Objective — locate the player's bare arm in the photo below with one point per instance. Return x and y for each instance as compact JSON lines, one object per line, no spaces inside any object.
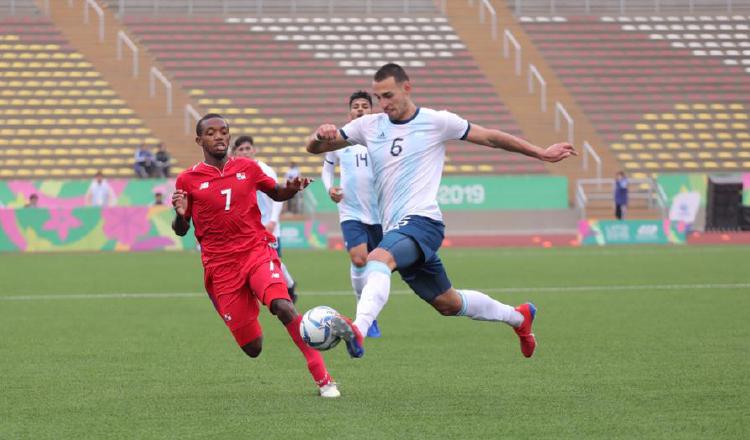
{"x":326,"y":138}
{"x":180,"y":224}
{"x":499,"y":139}
{"x":293,"y":186}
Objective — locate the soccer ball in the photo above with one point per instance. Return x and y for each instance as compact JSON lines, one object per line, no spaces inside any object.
{"x":315,"y":328}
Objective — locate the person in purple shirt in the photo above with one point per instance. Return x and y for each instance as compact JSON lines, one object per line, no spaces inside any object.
{"x":621,"y":195}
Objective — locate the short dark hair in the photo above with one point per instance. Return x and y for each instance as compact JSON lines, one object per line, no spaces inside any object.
{"x":199,"y":125}
{"x":242,"y":139}
{"x":391,"y":70}
{"x":360,"y":94}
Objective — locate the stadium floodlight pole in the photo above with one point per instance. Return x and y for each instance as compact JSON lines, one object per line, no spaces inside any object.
{"x":509,"y":39}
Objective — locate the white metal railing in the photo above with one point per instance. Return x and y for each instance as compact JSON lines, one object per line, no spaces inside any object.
{"x":485,"y":4}
{"x":568,"y":7}
{"x":95,"y":6}
{"x":588,"y":150}
{"x":271,"y":7}
{"x":123,"y":38}
{"x":155,"y":74}
{"x":508,"y":40}
{"x":534,"y":74}
{"x":560,"y":111}
{"x":646,"y":191}
{"x":190,"y":112}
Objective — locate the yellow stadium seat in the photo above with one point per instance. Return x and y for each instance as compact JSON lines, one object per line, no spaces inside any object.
{"x":741,"y":116}
{"x":23,"y":173}
{"x":744,"y":154}
{"x":671,"y":165}
{"x":46,"y":162}
{"x":485,"y":168}
{"x":710,"y":165}
{"x":625,"y":156}
{"x":650,"y":117}
{"x":74,"y":172}
{"x":724,"y":136}
{"x":7,"y":173}
{"x":711,"y":144}
{"x":704,"y":155}
{"x":742,"y":136}
{"x":664,"y":156}
{"x":738,"y":126}
{"x":699,"y":106}
{"x":57,"y":172}
{"x":684,"y":155}
{"x":667,"y":136}
{"x":729,"y":164}
{"x":691,"y":165}
{"x":669,"y":116}
{"x":618,"y":146}
{"x":719,"y":126}
{"x":629,"y":137}
{"x":723,"y":116}
{"x":687,"y":116}
{"x":705,"y":136}
{"x":651,"y":165}
{"x":303,"y":130}
{"x":729,"y":144}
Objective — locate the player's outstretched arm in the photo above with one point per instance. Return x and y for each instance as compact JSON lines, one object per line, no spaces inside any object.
{"x":181,"y":223}
{"x":499,"y":139}
{"x":326,"y":138}
{"x":293,"y":186}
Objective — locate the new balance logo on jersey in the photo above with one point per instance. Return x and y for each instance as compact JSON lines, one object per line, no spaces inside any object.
{"x":204,"y":185}
{"x":240,"y":176}
{"x":276,"y":275}
{"x":227,"y":317}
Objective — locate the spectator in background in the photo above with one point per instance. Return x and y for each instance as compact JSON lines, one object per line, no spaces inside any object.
{"x":33,"y":201}
{"x":158,"y":199}
{"x":621,"y":195}
{"x":162,"y":162}
{"x":293,"y":205}
{"x":144,"y":162}
{"x":99,"y":192}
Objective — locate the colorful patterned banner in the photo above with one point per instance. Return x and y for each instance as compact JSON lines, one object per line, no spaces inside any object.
{"x":131,"y":228}
{"x":603,"y":232}
{"x":72,"y":193}
{"x":746,"y":189}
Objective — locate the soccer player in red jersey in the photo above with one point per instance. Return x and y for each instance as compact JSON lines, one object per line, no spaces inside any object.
{"x":240,"y":268}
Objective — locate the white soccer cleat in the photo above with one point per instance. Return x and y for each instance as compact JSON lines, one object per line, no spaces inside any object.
{"x":330,"y":390}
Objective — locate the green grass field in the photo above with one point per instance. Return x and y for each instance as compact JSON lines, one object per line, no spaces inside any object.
{"x":636,"y":342}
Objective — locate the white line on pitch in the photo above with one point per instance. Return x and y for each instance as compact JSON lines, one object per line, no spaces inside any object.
{"x":85,"y":296}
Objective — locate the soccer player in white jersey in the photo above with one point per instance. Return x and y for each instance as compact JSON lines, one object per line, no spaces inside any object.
{"x":270,"y":210}
{"x":407,"y":148}
{"x":357,"y":203}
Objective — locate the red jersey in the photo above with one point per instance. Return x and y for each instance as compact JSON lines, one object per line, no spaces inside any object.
{"x":224,"y":207}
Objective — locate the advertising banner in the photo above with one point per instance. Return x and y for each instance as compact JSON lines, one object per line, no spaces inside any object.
{"x":118,"y":228}
{"x":485,"y":193}
{"x":604,"y":232}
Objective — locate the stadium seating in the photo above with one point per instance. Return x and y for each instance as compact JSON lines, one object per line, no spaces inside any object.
{"x":58,"y":117}
{"x":667,"y":93}
{"x":277,"y":78}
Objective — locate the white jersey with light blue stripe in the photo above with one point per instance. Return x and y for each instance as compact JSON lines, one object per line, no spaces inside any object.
{"x":407,"y":159}
{"x":270,"y":209}
{"x":360,"y":201}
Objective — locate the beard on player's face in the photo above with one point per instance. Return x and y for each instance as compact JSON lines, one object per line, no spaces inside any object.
{"x":219,"y":155}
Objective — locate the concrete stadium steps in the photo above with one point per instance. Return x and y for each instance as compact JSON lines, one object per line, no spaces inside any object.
{"x":58,"y":117}
{"x":302,"y":69}
{"x":660,"y":107}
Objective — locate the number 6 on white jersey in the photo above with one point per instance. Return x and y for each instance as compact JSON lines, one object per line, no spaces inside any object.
{"x":228,"y":193}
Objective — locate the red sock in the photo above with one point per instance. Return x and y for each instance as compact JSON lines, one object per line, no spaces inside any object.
{"x":314,"y":360}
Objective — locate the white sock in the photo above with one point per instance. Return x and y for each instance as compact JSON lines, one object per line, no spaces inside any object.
{"x":358,"y":280}
{"x":374,"y":294}
{"x":477,"y":305}
{"x":287,"y":276}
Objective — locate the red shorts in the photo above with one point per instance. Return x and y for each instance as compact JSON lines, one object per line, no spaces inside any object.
{"x":261,"y":279}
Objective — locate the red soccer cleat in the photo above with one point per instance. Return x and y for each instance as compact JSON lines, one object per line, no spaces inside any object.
{"x":528,"y":340}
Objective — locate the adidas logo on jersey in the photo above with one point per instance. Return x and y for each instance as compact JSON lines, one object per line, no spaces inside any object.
{"x":381,"y":135}
{"x":204,"y":185}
